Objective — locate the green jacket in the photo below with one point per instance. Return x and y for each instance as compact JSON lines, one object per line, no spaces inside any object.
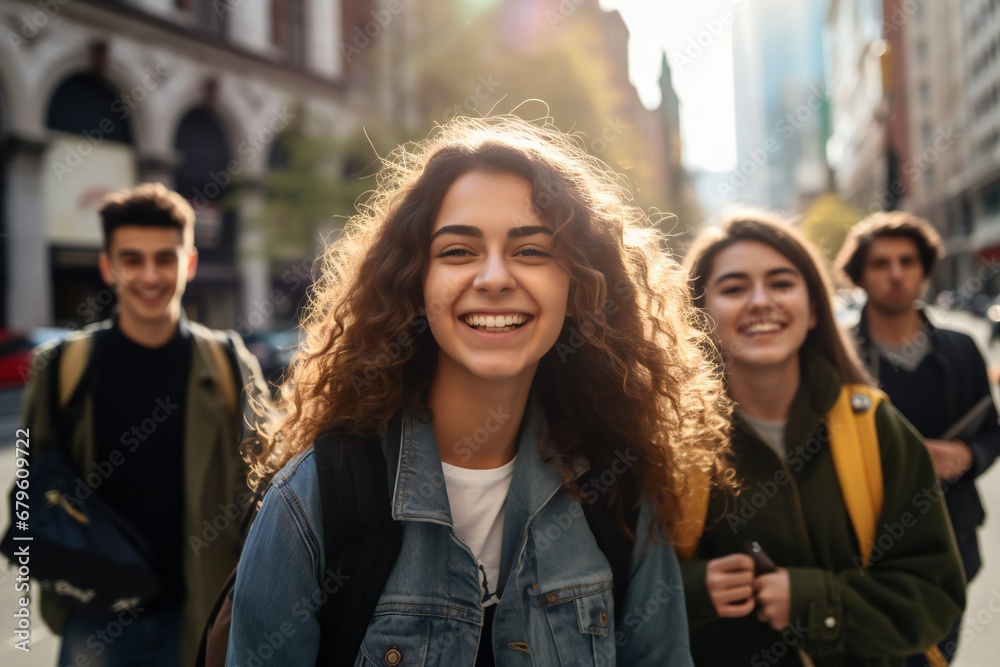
{"x":841,"y":614}
{"x":217,"y":497}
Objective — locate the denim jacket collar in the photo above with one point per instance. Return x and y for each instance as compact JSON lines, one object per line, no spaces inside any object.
{"x":419,"y":489}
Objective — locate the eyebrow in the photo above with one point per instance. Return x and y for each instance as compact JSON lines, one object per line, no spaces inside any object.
{"x":512,"y":233}
{"x":128,"y":252}
{"x":769,"y":274}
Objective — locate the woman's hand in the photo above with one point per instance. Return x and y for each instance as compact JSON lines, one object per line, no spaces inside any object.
{"x":773,"y":593}
{"x":730,"y":585}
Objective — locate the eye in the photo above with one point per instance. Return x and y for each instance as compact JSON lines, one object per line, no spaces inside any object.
{"x":731,"y":289}
{"x":454,"y":251}
{"x":533,"y":252}
{"x":783,"y":284}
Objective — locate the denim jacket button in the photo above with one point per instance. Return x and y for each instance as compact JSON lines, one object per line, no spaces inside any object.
{"x":393,"y":657}
{"x":604,"y":619}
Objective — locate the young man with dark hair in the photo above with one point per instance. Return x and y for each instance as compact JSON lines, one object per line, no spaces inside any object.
{"x":935,"y":377}
{"x":164,"y":414}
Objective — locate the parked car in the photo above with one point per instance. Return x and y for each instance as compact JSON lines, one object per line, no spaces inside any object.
{"x":16,"y":346}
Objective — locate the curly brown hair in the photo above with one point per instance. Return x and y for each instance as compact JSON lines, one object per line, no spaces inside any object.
{"x":889,"y":224}
{"x":628,"y":369}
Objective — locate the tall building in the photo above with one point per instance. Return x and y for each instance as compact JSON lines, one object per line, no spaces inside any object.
{"x":97,"y":95}
{"x":934,"y":44}
{"x":973,"y":233}
{"x":917,"y":122}
{"x":858,"y":78}
{"x":781,"y":106}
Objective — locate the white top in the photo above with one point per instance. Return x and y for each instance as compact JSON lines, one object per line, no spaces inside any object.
{"x":477,"y":499}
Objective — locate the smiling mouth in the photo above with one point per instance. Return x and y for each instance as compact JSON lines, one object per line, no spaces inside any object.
{"x":150,"y":296}
{"x":761,"y":328}
{"x":496,"y":323}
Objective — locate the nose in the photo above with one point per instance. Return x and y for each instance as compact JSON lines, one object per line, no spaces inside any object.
{"x":494,"y":275}
{"x":759,"y":295}
{"x":148,"y":272}
{"x":895,"y":269}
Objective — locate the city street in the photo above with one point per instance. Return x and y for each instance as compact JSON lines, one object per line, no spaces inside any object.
{"x":980,"y":637}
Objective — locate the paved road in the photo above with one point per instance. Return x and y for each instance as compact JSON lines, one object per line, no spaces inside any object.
{"x":980,"y":639}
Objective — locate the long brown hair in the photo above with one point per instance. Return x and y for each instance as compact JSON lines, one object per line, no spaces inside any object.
{"x":628,"y":372}
{"x":827,"y":338}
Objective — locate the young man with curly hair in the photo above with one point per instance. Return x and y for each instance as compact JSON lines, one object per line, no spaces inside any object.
{"x":934,"y":376}
{"x":162,"y":421}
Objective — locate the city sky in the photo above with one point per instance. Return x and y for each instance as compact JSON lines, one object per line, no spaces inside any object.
{"x":697,"y":38}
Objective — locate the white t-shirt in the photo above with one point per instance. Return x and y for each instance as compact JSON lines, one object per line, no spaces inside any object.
{"x":477,"y":499}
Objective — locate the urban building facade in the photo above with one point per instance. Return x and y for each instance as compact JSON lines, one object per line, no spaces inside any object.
{"x":781,"y":104}
{"x":916,"y":116}
{"x":97,"y":95}
{"x":973,"y":236}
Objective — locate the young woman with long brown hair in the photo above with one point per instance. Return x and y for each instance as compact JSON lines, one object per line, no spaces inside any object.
{"x":834,"y":599}
{"x":500,"y":302}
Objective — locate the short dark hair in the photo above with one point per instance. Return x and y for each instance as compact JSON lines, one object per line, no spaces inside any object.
{"x":893,"y":224}
{"x":147,"y":205}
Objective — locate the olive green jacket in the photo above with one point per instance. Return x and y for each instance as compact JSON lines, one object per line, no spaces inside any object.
{"x":217,"y":497}
{"x":842,"y":613}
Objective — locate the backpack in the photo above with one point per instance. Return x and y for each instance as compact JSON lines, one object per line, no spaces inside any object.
{"x":361,"y":537}
{"x":851,"y":423}
{"x":86,"y":554}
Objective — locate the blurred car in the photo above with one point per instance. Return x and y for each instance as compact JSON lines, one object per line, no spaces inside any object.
{"x":847,"y":305}
{"x":274,"y":350}
{"x":16,"y":346}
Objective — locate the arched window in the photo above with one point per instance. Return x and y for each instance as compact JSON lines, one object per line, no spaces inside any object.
{"x":86,"y":103}
{"x":205,"y":176}
{"x":88,"y":156}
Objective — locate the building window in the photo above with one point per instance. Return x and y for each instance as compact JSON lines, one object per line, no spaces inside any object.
{"x":928,"y":132}
{"x":922,"y":51}
{"x":288,"y":28}
{"x":991,"y":201}
{"x":925,"y":92}
{"x":210,"y":15}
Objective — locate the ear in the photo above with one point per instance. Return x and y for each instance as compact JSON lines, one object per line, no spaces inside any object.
{"x":192,"y":267}
{"x":812,"y":316}
{"x":104,"y":264}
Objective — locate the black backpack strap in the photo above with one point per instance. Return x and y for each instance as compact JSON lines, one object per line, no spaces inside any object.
{"x":361,"y":539}
{"x":617,"y":548}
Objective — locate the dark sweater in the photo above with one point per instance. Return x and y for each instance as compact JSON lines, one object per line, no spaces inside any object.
{"x":958,"y":382}
{"x":139,"y":423}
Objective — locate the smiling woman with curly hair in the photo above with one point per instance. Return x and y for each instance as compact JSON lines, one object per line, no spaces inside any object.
{"x":506,"y":323}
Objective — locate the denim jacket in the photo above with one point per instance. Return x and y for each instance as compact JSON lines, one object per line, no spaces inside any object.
{"x":556,"y":604}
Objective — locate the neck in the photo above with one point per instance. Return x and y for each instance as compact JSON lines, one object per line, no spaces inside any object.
{"x":765,"y":392}
{"x":894,"y":327}
{"x":476,"y":421}
{"x":149,"y":334}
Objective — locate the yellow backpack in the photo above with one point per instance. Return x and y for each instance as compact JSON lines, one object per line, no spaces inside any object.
{"x":851,"y":423}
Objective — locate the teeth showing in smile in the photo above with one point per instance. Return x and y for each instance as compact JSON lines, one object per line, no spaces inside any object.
{"x":150,"y":295}
{"x":762,"y":328}
{"x":496,"y":323}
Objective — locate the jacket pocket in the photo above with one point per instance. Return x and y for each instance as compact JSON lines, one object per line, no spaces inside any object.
{"x":581,"y":621}
{"x":394,"y":639}
{"x":420,"y":635}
